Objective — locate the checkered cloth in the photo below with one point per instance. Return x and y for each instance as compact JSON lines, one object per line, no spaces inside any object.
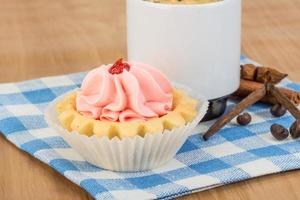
{"x":236,"y":153}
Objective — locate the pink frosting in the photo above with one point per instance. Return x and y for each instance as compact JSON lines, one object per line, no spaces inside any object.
{"x":141,"y":93}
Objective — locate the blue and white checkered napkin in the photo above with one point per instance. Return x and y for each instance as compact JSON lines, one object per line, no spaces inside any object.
{"x":235,"y":154}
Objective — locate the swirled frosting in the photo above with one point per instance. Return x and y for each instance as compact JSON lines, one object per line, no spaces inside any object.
{"x":136,"y":92}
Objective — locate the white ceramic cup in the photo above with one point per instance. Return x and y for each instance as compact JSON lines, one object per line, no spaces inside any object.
{"x":197,"y":45}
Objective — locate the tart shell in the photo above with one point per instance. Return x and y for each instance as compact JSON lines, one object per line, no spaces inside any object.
{"x":184,"y":111}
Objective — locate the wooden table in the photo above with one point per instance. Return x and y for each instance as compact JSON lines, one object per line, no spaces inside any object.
{"x":42,"y":38}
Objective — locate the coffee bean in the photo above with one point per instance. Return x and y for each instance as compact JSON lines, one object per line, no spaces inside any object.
{"x":279,"y":132}
{"x":278,"y":110}
{"x":244,"y":119}
{"x":295,"y":129}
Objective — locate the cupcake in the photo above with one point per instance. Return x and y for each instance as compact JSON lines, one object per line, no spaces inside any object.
{"x":126,"y":117}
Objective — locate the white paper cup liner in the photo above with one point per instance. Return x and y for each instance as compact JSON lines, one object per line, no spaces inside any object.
{"x":133,"y":153}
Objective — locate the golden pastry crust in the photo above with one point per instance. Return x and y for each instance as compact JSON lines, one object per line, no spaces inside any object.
{"x":184,"y":111}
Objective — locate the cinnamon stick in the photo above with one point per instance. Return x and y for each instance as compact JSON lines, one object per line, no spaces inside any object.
{"x":261,"y":74}
{"x":283,"y":100}
{"x":267,"y":74}
{"x":247,"y":87}
{"x":248,"y":72}
{"x":245,"y":103}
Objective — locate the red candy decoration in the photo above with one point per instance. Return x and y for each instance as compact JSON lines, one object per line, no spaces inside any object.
{"x":118,"y":67}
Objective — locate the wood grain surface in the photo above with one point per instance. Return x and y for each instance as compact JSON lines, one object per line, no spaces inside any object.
{"x":42,"y":38}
